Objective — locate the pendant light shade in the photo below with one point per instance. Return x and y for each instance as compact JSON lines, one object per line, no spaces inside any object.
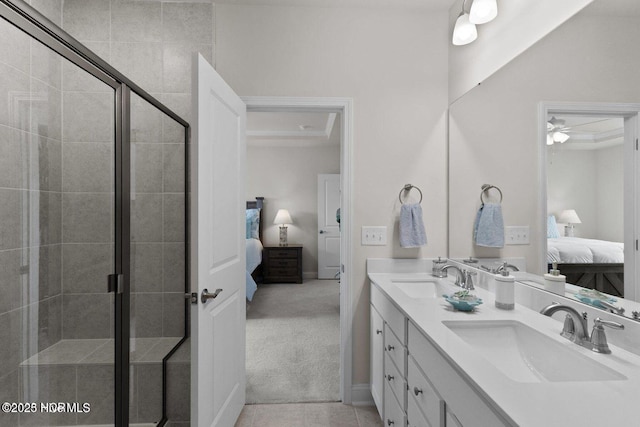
{"x":464,"y":31}
{"x":483,"y":11}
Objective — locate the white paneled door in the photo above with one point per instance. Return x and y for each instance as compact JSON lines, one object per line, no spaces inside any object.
{"x":328,"y":227}
{"x":218,"y":250}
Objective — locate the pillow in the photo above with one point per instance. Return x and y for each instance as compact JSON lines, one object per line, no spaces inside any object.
{"x":552,"y":228}
{"x":253,"y":223}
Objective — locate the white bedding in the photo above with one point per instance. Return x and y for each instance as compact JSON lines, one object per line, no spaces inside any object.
{"x":254,"y":258}
{"x":575,"y":250}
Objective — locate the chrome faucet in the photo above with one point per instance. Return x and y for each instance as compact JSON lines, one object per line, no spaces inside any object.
{"x":506,"y":266}
{"x":579,"y":337}
{"x":598,"y":340}
{"x":463,"y":277}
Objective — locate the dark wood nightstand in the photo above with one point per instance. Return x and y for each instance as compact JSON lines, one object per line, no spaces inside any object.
{"x":282,"y":264}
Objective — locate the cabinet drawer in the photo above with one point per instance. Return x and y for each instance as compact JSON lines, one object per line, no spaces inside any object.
{"x":430,"y":404}
{"x":415,"y":418}
{"x":394,"y":416}
{"x":390,"y":313}
{"x":283,"y":253}
{"x":395,"y":349}
{"x":283,"y":263}
{"x":279,"y":271}
{"x":395,"y":380}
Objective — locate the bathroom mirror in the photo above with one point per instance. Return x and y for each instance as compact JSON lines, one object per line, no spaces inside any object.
{"x":497,"y":130}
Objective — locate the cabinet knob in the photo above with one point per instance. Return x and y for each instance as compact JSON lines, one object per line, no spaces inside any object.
{"x":390,"y":377}
{"x":389,"y":422}
{"x":417,"y":390}
{"x":378,"y":331}
{"x":390,"y":347}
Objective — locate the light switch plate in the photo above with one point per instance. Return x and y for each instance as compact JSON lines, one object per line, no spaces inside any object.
{"x":374,"y":235}
{"x":517,"y":235}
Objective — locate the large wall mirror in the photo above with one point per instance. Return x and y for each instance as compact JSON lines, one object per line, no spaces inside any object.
{"x":580,"y":80}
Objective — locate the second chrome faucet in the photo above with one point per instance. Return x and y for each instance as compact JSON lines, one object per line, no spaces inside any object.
{"x":575,"y":328}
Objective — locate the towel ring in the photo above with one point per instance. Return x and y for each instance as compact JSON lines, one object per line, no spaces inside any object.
{"x":408,"y":187}
{"x":486,"y":188}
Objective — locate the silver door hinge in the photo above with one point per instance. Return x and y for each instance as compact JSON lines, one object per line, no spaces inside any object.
{"x":192,"y":297}
{"x":636,"y":144}
{"x":114,"y":283}
{"x":636,"y":244}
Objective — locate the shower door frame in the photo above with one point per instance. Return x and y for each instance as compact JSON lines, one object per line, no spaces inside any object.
{"x":37,"y":26}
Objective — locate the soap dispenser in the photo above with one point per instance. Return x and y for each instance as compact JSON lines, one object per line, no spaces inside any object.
{"x":505,"y":289}
{"x":554,"y":281}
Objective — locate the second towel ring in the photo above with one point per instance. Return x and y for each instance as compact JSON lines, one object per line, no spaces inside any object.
{"x":486,"y":188}
{"x":408,"y":187}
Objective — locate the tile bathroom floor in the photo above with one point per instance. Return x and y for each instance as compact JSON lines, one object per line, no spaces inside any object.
{"x":308,"y":415}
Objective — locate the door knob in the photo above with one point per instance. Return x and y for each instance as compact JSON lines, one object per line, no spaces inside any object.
{"x":206,"y":295}
{"x":321,"y":231}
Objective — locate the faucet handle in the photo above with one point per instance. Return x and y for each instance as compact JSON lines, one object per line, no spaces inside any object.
{"x":612,"y":308}
{"x":569,"y":328}
{"x":467,"y":282}
{"x":598,"y":338}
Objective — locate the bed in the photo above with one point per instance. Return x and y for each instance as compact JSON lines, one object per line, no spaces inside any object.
{"x":590,"y":263}
{"x":254,"y":246}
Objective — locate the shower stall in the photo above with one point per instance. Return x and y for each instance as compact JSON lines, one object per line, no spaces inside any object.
{"x":93,"y":234}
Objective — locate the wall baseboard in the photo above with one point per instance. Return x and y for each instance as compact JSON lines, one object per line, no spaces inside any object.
{"x":361,"y":395}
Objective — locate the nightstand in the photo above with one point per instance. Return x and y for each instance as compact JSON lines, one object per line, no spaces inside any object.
{"x":282,"y":264}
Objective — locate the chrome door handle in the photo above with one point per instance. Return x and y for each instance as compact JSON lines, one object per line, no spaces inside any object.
{"x":321,"y":231}
{"x":206,"y":296}
{"x":417,"y":390}
{"x":378,"y":331}
{"x":390,"y":347}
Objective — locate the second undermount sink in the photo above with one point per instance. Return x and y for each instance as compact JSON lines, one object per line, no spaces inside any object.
{"x":526,"y":355}
{"x":423,"y":288}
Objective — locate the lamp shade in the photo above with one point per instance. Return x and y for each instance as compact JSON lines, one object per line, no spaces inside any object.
{"x":569,"y":217}
{"x":483,"y":11}
{"x":464,"y":32}
{"x":283,"y":217}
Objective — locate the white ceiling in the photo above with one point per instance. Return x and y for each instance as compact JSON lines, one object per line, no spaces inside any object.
{"x":292,"y":129}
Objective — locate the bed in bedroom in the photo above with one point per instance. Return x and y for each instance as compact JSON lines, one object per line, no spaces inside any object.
{"x":590,"y":263}
{"x":254,"y":225}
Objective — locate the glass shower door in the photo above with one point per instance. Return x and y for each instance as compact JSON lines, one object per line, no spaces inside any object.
{"x":57,"y":238}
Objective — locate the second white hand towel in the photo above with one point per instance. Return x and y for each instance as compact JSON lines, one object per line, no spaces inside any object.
{"x":412,"y":233}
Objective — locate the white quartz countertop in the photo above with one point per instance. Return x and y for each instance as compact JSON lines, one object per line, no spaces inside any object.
{"x":574,"y":403}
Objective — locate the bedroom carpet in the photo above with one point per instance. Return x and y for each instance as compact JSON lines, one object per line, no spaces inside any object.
{"x":293,"y":343}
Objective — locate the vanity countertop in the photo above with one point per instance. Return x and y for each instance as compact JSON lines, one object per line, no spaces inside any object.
{"x":576,"y":403}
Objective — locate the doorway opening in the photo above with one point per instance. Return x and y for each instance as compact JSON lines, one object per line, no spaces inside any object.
{"x":593,"y":196}
{"x":341,"y":111}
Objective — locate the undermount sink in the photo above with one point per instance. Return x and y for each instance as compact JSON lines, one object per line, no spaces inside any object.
{"x":423,"y":288}
{"x":526,"y":355}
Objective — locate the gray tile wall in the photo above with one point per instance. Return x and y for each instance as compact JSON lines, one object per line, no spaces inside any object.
{"x":30,"y":205}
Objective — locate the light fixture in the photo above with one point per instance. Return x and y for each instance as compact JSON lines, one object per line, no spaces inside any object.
{"x":464,"y":32}
{"x":283,"y":218}
{"x":560,"y":137}
{"x":483,"y":11}
{"x":569,"y":217}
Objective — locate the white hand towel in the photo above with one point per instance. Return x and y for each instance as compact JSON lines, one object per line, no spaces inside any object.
{"x":488,"y":230}
{"x":412,"y":233}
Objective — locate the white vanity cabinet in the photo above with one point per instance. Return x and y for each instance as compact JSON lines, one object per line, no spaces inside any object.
{"x":388,"y":359}
{"x":376,"y":342}
{"x":462,"y":405}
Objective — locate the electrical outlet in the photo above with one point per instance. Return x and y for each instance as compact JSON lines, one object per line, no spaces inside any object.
{"x":374,"y":236}
{"x":517,"y":235}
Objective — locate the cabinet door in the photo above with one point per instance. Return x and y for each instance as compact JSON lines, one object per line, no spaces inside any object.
{"x":377,"y":355}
